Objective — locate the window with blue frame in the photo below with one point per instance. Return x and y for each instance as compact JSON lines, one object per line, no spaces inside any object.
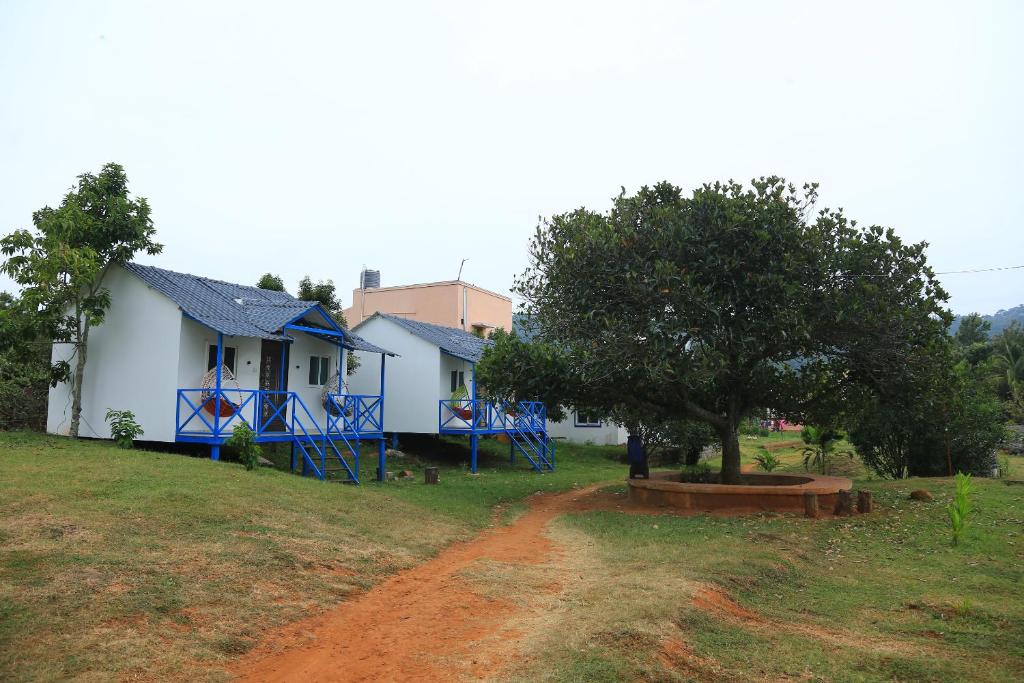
{"x":582,"y":418}
{"x":319,"y":370}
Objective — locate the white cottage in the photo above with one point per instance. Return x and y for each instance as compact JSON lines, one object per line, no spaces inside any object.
{"x":431,"y":389}
{"x":194,"y":357}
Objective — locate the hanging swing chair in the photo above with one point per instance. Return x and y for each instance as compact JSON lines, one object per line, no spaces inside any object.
{"x":332,"y":387}
{"x":209,"y":387}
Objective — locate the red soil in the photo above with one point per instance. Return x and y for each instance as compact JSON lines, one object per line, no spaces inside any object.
{"x":424,"y":624}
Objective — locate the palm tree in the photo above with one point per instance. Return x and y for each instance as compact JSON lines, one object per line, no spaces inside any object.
{"x":821,"y":443}
{"x":1010,"y":351}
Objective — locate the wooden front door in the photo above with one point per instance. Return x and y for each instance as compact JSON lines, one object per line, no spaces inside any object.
{"x":274,"y":377}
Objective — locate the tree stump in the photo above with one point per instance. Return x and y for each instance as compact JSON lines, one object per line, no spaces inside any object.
{"x":431,"y":475}
{"x":844,"y":503}
{"x":810,"y":504}
{"x":864,"y":501}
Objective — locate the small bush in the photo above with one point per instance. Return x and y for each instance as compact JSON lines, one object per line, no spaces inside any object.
{"x":123,"y":427}
{"x":243,"y":440}
{"x":960,"y":507}
{"x":697,"y":474}
{"x":767,"y":460}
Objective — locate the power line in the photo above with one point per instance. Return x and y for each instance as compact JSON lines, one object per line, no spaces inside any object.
{"x":979,"y":270}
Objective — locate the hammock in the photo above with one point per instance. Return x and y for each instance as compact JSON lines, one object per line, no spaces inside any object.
{"x":209,"y":386}
{"x":332,"y":387}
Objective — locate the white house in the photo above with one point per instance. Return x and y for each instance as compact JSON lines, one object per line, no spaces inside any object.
{"x":157,"y":354}
{"x":431,"y":388}
{"x":581,"y":427}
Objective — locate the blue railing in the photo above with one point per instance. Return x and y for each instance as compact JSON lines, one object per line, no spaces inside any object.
{"x":208,"y":414}
{"x":356,"y":413}
{"x":484,"y":416}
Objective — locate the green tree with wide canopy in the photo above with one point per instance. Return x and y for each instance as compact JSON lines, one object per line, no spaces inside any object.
{"x":708,"y":306}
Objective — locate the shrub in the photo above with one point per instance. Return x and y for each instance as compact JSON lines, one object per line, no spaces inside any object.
{"x":123,"y":427}
{"x":960,"y":507}
{"x":697,"y":474}
{"x":767,"y":460}
{"x":243,"y":440}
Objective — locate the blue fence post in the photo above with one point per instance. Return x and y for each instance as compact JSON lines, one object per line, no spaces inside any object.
{"x":381,"y":460}
{"x":215,"y":449}
{"x":473,"y":447}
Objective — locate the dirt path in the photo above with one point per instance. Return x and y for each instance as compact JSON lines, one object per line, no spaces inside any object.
{"x":425,"y":624}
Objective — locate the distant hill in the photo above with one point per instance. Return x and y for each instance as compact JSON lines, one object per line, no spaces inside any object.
{"x":1000,"y":320}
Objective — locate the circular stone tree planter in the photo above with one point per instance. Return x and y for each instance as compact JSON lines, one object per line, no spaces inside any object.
{"x":772,"y":492}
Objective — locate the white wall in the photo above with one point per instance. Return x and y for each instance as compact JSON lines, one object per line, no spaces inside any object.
{"x":608,"y":434}
{"x":449,"y":363}
{"x":411,"y":380}
{"x":131,"y":364}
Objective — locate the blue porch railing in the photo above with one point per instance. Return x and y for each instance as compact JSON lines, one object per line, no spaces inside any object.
{"x":524,"y":423}
{"x":357,"y":413}
{"x":209,"y":416}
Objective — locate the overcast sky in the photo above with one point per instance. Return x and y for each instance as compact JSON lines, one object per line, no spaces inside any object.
{"x":315,"y":138}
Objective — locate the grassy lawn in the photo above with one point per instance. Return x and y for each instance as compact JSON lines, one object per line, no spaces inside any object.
{"x":881,"y":597}
{"x":138,"y":564}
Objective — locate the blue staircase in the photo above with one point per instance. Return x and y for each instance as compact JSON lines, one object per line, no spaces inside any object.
{"x":325,"y":454}
{"x":529,"y":437}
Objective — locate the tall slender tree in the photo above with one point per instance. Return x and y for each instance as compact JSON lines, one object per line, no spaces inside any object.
{"x":61,"y":264}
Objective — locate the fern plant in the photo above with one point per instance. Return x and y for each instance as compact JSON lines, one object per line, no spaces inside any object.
{"x":821,"y":443}
{"x":123,"y":427}
{"x":960,"y":507}
{"x":767,"y":460}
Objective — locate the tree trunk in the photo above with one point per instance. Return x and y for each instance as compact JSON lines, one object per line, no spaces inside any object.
{"x":730,"y":455}
{"x":76,"y":382}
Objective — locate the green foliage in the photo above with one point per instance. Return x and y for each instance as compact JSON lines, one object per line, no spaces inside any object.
{"x":123,"y":427}
{"x":324,"y":293}
{"x":767,"y":460}
{"x":61,"y":265}
{"x":1009,"y":352}
{"x":25,"y":370}
{"x":821,"y":443}
{"x":698,"y":306}
{"x":699,"y":473}
{"x":243,"y":440}
{"x":752,"y":427}
{"x":944,"y":407}
{"x":271,"y":282}
{"x":973,"y":330}
{"x":960,"y":507}
{"x":515,"y":370}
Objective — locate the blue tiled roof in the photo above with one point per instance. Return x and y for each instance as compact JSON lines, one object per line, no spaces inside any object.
{"x":452,"y":341}
{"x":236,"y":310}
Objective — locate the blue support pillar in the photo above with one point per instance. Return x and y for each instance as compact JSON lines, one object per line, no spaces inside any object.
{"x":215,"y":449}
{"x":511,"y":451}
{"x":381,"y":447}
{"x":293,"y":456}
{"x":474,"y":439}
{"x":394,"y":440}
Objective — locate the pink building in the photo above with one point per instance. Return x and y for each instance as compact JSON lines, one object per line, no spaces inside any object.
{"x":453,"y":303}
